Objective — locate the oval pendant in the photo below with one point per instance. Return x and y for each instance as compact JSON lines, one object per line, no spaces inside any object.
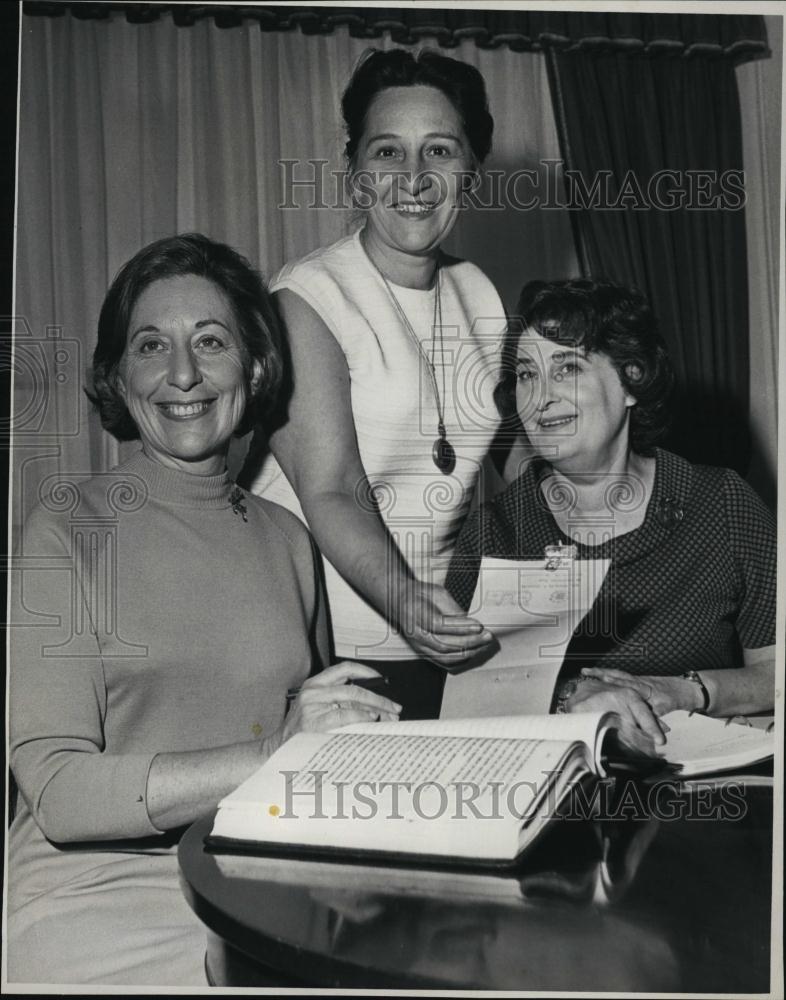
{"x":443,"y":455}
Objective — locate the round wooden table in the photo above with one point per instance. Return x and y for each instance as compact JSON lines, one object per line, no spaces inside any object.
{"x":670,"y":891}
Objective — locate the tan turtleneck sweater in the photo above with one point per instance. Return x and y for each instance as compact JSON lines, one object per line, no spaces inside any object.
{"x":150,"y":616}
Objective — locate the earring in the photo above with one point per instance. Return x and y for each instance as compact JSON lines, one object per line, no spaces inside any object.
{"x":256,"y":379}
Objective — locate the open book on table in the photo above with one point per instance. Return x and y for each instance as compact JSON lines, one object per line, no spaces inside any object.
{"x":460,"y":791}
{"x":602,"y":861}
{"x":533,"y":612}
{"x":471,"y":791}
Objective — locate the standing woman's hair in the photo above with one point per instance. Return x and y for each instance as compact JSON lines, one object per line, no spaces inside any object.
{"x":461,"y":83}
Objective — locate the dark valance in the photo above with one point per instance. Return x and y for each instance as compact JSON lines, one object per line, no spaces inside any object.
{"x":739,"y":37}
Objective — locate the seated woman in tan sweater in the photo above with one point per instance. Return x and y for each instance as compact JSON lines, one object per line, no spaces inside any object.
{"x":163,"y":616}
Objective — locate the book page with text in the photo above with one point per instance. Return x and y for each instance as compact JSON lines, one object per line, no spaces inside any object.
{"x":702,"y":744}
{"x":588,"y":727}
{"x":442,"y":795}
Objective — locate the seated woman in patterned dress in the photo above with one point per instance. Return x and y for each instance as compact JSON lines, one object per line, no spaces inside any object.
{"x":685,"y":618}
{"x":161,"y":615}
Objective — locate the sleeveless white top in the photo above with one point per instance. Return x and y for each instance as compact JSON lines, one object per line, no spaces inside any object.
{"x":395,"y":413}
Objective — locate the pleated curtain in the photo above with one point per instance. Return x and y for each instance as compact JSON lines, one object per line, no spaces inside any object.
{"x":631,"y":115}
{"x":141,"y":120}
{"x":133,"y":131}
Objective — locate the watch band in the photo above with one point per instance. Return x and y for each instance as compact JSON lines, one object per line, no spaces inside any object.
{"x":692,"y":675}
{"x":564,"y":692}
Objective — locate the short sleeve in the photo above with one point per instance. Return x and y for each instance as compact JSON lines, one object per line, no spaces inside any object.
{"x":752,"y":538}
{"x":316,"y":288}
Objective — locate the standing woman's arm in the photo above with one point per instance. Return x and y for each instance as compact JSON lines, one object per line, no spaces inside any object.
{"x":318,"y":451}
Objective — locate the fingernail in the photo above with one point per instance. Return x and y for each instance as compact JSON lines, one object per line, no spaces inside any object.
{"x":485,"y":634}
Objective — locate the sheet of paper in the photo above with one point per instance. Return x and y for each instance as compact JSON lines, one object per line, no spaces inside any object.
{"x":514,"y":593}
{"x":702,"y":745}
{"x":493,"y":688}
{"x":533,"y":612}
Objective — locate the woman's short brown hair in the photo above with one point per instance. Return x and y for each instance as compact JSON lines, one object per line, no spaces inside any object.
{"x":244,"y":290}
{"x":600,"y":317}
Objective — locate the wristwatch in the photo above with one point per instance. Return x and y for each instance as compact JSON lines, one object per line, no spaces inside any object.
{"x":692,"y":675}
{"x":564,"y":692}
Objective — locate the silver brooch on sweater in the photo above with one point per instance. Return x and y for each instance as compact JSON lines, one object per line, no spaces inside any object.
{"x":237,"y":499}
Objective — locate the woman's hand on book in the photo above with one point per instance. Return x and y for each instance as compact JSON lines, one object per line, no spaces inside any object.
{"x":437,"y":628}
{"x":330,"y":699}
{"x":640,"y":729}
{"x":662,"y":694}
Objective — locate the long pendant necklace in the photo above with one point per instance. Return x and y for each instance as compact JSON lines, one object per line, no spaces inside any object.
{"x":442,"y":452}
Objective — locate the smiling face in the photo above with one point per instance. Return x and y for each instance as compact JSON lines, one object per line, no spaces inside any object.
{"x":408,"y":170}
{"x":572,"y":406}
{"x":182,"y":374}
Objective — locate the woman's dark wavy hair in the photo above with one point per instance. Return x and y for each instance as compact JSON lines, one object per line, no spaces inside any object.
{"x":461,"y":83}
{"x":244,"y":290}
{"x":601,"y":318}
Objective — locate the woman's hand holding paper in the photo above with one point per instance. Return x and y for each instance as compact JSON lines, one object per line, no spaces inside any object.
{"x":436,"y":626}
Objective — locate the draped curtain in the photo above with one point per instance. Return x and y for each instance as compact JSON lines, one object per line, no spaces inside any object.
{"x":759,"y":85}
{"x":633,"y":118}
{"x":740,"y":36}
{"x":133,"y":131}
{"x":141,"y":120}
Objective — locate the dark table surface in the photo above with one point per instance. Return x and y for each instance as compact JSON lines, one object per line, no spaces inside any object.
{"x":668,"y":889}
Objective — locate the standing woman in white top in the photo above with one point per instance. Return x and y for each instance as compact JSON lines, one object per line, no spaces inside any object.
{"x":394,"y":347}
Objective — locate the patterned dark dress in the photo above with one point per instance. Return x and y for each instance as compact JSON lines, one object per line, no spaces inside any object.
{"x":689,"y":588}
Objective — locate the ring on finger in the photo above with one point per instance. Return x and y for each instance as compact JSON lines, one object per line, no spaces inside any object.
{"x":336,"y":706}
